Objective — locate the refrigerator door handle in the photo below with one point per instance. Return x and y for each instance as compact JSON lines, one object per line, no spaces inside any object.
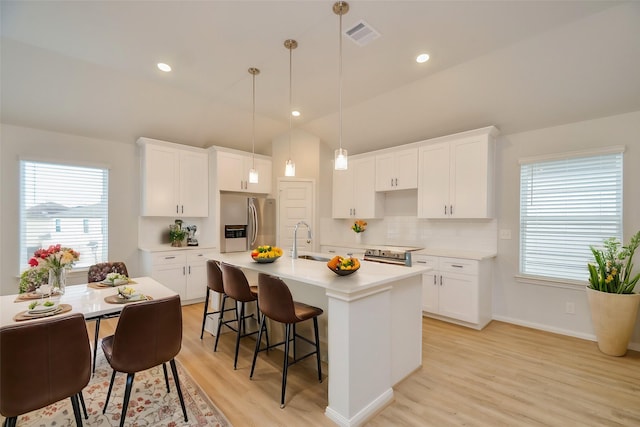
{"x":253,"y":219}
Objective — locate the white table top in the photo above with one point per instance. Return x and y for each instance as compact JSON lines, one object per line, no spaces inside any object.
{"x":83,"y":299}
{"x":370,"y":274}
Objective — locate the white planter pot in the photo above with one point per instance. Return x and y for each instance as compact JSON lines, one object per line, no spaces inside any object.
{"x":614,"y":319}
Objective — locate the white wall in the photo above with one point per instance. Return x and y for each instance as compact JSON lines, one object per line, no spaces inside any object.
{"x":544,"y":306}
{"x":123,"y":162}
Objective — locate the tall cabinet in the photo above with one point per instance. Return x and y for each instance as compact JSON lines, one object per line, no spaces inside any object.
{"x":456,"y":176}
{"x":174,"y":179}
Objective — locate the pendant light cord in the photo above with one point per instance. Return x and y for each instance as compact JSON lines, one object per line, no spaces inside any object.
{"x":290,"y":97}
{"x":340,"y":81}
{"x":253,"y":125}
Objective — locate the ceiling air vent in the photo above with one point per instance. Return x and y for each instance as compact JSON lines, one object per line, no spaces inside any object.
{"x":362,"y":33}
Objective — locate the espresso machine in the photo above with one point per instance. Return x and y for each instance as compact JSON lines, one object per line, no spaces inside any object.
{"x":191,"y":236}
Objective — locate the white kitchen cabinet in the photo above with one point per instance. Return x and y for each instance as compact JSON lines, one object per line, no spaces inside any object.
{"x":174,"y":180}
{"x":183,"y":271}
{"x":354,"y":194}
{"x":457,"y":290}
{"x":233,"y":172}
{"x":456,"y":177}
{"x":397,"y":170}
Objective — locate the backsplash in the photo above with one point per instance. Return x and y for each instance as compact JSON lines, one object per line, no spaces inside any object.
{"x":469,"y":235}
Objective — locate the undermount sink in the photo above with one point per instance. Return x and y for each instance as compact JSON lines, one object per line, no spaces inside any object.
{"x":314,"y":258}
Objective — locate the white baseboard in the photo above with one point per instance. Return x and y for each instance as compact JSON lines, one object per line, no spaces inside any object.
{"x":589,"y":337}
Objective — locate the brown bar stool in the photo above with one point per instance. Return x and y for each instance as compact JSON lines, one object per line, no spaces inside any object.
{"x":214,"y":284}
{"x":276,"y":303}
{"x":237,"y":287}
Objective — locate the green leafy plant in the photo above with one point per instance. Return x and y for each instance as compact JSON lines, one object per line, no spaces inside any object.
{"x":612,"y":271}
{"x":177,"y":234}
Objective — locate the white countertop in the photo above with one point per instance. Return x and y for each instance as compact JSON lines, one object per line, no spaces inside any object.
{"x":370,"y":274}
{"x":450,"y":253}
{"x":169,"y":248}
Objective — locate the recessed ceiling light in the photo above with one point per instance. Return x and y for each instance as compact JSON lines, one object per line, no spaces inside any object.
{"x":423,"y":57}
{"x":164,"y":67}
{"x":295,"y":113}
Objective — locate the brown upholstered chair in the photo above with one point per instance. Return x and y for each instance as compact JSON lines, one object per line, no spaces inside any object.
{"x":237,"y":287}
{"x":214,"y":284}
{"x":276,"y":303}
{"x":42,"y":362}
{"x":148,"y":334}
{"x":97,"y":273}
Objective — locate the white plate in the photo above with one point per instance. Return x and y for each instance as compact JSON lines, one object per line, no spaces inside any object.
{"x":116,"y":282}
{"x":43,"y":309}
{"x":133,"y":297}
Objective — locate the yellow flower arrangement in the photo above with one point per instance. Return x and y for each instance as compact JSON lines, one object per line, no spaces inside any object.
{"x":359,"y":226}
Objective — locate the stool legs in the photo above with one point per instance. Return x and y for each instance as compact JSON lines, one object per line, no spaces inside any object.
{"x":204,"y":315}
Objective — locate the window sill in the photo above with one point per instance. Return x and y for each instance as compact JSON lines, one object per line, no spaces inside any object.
{"x":552,"y":282}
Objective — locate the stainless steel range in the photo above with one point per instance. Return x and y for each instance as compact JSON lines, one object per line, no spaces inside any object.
{"x":390,"y":255}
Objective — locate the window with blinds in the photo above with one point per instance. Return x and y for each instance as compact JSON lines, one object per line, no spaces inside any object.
{"x":565,"y":206}
{"x":64,"y":204}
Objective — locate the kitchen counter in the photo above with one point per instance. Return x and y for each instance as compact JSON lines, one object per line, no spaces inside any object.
{"x":373,"y":324}
{"x":168,"y":248}
{"x":450,"y":253}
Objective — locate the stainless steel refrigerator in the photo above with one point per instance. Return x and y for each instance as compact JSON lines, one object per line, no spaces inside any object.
{"x":246,"y":222}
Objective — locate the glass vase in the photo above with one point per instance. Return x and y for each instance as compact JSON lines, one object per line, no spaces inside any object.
{"x":358,"y":238}
{"x":58,"y":280}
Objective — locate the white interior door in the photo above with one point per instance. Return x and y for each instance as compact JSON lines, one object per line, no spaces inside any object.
{"x":295,"y":204}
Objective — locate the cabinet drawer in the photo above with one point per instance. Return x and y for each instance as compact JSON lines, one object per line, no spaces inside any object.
{"x":458,"y":265}
{"x":195,"y":257}
{"x":425,"y":260}
{"x":169,"y":258}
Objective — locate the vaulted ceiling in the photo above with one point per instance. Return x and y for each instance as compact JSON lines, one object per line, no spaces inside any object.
{"x":89,"y":68}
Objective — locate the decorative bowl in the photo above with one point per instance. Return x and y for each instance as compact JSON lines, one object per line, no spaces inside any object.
{"x":336,"y":262}
{"x":265,"y":260}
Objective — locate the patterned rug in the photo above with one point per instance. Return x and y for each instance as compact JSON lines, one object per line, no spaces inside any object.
{"x":150,"y":404}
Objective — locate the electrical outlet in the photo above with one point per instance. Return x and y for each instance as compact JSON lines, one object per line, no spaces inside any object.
{"x":570,"y":308}
{"x":505,"y":234}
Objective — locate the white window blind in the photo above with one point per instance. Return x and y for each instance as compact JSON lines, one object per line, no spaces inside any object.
{"x":63,"y":204}
{"x":566,"y":206}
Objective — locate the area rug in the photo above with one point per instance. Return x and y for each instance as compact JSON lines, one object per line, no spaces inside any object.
{"x":150,"y":404}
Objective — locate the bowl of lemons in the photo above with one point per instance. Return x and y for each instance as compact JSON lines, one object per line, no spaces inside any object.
{"x":343,"y":266}
{"x":265,"y":254}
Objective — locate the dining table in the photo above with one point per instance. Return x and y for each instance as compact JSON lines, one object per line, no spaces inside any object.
{"x":92,"y":301}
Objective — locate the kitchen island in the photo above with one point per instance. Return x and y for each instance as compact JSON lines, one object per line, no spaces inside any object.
{"x":373,"y":327}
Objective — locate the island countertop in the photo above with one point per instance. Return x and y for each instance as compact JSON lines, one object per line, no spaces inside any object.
{"x":370,"y":274}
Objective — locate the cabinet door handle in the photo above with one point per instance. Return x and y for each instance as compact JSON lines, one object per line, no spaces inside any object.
{"x":450,"y":209}
{"x":354,"y":211}
{"x":332,"y":252}
{"x":169,"y":257}
{"x":200,"y":255}
{"x":182,"y":208}
{"x":457,"y":265}
{"x":184,"y":271}
{"x":189,"y":269}
{"x":434,"y":279}
{"x":445,"y":209}
{"x":177,"y":209}
{"x":396,"y":182}
{"x":421,"y":262}
{"x":392,"y":182}
{"x":440,"y":280}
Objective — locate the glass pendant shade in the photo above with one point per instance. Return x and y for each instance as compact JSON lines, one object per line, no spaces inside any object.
{"x":290,"y":168}
{"x":253,"y":176}
{"x":340,"y":163}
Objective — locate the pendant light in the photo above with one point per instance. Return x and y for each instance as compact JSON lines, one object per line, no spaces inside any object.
{"x":340,"y":161}
{"x":253,"y":173}
{"x":290,"y":167}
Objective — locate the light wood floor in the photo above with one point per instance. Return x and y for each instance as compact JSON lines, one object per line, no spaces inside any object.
{"x":505,"y":375}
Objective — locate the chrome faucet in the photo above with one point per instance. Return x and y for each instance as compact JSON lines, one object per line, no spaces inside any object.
{"x":294,"y":251}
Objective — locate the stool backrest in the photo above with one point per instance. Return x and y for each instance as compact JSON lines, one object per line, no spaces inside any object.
{"x":214,"y":277}
{"x":235,"y":283}
{"x":275,"y":300}
{"x":43,"y":362}
{"x":148,"y":334}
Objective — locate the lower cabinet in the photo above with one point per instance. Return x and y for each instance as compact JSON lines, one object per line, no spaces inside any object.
{"x":183,"y":271}
{"x":456,"y":290}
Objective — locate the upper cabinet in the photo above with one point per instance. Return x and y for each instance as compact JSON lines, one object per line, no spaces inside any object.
{"x":397,"y":170}
{"x":456,"y":176}
{"x":174,"y":179}
{"x":354,"y":194}
{"x":233,"y":172}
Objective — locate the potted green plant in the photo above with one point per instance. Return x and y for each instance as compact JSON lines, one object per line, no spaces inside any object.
{"x":612,"y":300}
{"x":177,"y":235}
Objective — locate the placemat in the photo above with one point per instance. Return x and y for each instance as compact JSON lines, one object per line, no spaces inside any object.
{"x":100,"y":285}
{"x":31,"y":296}
{"x":115,"y":299}
{"x":24,"y":315}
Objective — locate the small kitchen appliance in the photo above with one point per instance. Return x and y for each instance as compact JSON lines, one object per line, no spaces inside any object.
{"x":390,"y":255}
{"x":191,"y":237}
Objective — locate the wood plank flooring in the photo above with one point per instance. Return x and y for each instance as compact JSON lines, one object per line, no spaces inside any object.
{"x":505,"y":375}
